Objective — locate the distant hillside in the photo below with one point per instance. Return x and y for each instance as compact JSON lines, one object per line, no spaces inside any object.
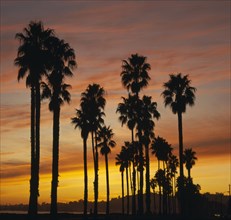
{"x":210,"y":204}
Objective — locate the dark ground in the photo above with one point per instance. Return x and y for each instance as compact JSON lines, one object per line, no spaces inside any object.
{"x":102,"y":217}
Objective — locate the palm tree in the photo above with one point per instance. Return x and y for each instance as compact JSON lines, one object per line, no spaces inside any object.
{"x":120,"y":160}
{"x":32,"y":59}
{"x":92,"y":104}
{"x":159,"y":176}
{"x":148,"y":113}
{"x":189,"y":158}
{"x":162,"y":150}
{"x":135,"y":73}
{"x":178,"y":94}
{"x":128,"y":117}
{"x":134,"y":77}
{"x":105,"y":136}
{"x":63,"y":62}
{"x":172,"y":165}
{"x":81,"y":122}
{"x":126,"y":153}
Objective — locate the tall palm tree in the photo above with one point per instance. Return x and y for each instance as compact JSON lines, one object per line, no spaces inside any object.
{"x":81,"y":122}
{"x":93,"y":104}
{"x":178,"y":94}
{"x":32,"y":60}
{"x":63,"y":62}
{"x":189,"y":158}
{"x":105,"y":135}
{"x":120,"y":160}
{"x":134,"y":77}
{"x":128,"y":117}
{"x":148,"y":114}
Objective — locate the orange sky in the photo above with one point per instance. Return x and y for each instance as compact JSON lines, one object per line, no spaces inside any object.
{"x":175,"y":36}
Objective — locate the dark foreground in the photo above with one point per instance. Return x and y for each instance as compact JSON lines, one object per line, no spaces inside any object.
{"x":102,"y":217}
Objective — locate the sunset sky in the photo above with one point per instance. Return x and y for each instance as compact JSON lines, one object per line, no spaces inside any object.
{"x":191,"y":37}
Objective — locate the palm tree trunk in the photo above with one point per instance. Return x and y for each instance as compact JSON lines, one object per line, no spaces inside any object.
{"x":95,"y":173}
{"x":189,"y":174}
{"x":122,"y":182}
{"x":55,"y":161}
{"x":174,"y":180}
{"x":148,"y":199}
{"x":133,"y":179}
{"x":93,"y":146}
{"x":127,"y":190}
{"x":96,"y":178}
{"x":159,"y":190}
{"x":172,"y":197}
{"x":107,"y":180}
{"x":37,"y":148}
{"x":134,"y":188}
{"x":138,"y":182}
{"x":130,"y":176}
{"x":85,"y":176}
{"x":164,"y":199}
{"x":32,"y":209}
{"x":181,"y":189}
{"x":141,"y":206}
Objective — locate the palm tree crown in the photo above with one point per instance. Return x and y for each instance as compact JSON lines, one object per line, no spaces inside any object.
{"x":189,"y":158}
{"x":126,"y":110}
{"x":93,"y":104}
{"x":104,"y":137}
{"x":63,"y":62}
{"x":178,"y":93}
{"x":81,"y":122}
{"x":32,"y":54}
{"x":161,"y":148}
{"x":135,"y":73}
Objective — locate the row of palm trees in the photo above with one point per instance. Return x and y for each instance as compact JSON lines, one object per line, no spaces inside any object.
{"x":43,"y":56}
{"x":46,"y":61}
{"x":165,"y":177}
{"x":139,"y":114}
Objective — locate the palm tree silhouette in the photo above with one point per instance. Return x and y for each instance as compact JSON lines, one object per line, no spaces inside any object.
{"x":189,"y":158}
{"x":148,"y":113}
{"x":63,"y":62}
{"x":159,"y":176}
{"x":104,"y":136}
{"x":172,"y":165}
{"x":81,"y":122}
{"x":32,"y":60}
{"x":162,"y":150}
{"x":134,"y":73}
{"x":120,"y":160}
{"x":128,"y":117}
{"x":126,"y":158}
{"x":92,"y":104}
{"x":134,"y":77}
{"x":178,"y":94}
